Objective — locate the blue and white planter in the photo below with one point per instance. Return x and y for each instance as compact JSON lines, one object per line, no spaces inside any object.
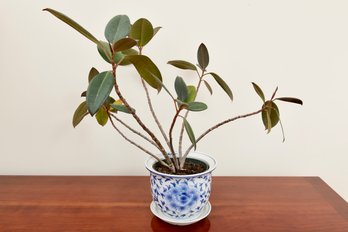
{"x":181,"y":196}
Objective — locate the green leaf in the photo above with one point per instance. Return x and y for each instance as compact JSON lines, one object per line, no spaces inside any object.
{"x":180,"y":88}
{"x":259,"y":91}
{"x":98,"y":91}
{"x":191,"y":94}
{"x":102,"y":48}
{"x":121,"y":108}
{"x":290,"y":99}
{"x":182,"y":64}
{"x":181,"y":103}
{"x":102,"y":116}
{"x":268,"y":121}
{"x":117,"y":28}
{"x":203,"y":56}
{"x":80,"y":113}
{"x":147,"y":70}
{"x":208,"y":87}
{"x":142,"y":31}
{"x":270,"y":115}
{"x":118,"y":56}
{"x":189,"y":132}
{"x":127,"y":53}
{"x":124,"y":44}
{"x":223,"y":85}
{"x":155,"y":30}
{"x":196,"y":106}
{"x":92,"y":73}
{"x":73,"y":24}
{"x":108,"y":101}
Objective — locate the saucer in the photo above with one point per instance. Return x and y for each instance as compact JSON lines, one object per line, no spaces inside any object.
{"x":180,"y":222}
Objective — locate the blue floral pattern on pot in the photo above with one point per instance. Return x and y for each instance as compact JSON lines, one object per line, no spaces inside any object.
{"x":180,"y":197}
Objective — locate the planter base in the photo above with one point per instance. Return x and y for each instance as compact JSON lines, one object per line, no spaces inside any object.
{"x":180,"y":222}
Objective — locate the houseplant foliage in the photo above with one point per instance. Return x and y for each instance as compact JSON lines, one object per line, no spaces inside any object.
{"x":123,"y":46}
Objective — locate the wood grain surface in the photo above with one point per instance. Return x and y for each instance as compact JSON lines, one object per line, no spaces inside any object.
{"x":121,"y":203}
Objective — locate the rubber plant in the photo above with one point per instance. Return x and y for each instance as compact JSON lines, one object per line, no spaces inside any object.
{"x":124,"y":46}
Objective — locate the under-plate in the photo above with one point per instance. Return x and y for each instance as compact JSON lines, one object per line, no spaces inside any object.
{"x":180,"y":222}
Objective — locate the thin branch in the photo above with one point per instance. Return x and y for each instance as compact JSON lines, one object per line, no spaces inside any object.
{"x":215,"y":127}
{"x":138,"y":120}
{"x":181,"y":135}
{"x":133,"y":130}
{"x":153,"y":112}
{"x":200,"y":76}
{"x":171,"y":137}
{"x":151,"y":107}
{"x":135,"y":144}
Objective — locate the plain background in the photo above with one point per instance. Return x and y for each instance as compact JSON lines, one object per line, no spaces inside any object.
{"x":300,"y":46}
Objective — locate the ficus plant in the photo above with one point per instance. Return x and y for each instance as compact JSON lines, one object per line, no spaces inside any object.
{"x":124,"y":46}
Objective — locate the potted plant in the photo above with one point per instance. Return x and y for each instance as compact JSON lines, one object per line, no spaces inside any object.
{"x":180,"y":179}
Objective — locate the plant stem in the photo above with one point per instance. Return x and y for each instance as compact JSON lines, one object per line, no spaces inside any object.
{"x":171,"y":137}
{"x":135,"y":144}
{"x":213,"y":128}
{"x":200,"y":76}
{"x":153,"y":112}
{"x":138,"y":120}
{"x":151,"y":107}
{"x":133,"y":130}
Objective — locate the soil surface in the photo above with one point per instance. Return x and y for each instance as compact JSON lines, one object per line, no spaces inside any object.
{"x":191,"y":166}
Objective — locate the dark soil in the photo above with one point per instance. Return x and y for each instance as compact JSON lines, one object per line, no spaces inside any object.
{"x":191,"y":166}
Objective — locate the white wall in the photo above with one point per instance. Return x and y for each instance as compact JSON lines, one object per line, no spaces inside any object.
{"x":300,"y":46}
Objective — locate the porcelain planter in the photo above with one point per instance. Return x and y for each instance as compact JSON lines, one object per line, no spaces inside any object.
{"x":181,"y":197}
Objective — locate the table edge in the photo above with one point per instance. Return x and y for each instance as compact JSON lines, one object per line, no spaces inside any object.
{"x":330,"y":195}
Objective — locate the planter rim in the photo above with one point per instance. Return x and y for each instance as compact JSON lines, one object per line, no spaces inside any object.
{"x":195,"y":155}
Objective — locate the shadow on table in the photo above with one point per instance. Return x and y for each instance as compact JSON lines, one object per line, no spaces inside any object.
{"x":157,"y":225}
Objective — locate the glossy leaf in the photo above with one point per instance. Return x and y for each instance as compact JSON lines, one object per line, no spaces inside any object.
{"x":73,"y":24}
{"x":102,"y":116}
{"x":155,"y":30}
{"x":270,"y":115}
{"x":290,"y":99}
{"x":191,"y":94}
{"x":268,"y":121}
{"x":80,"y":113}
{"x":92,"y":73}
{"x":124,"y":44}
{"x":182,"y":64}
{"x":259,"y":91}
{"x":104,"y":51}
{"x":127,"y":53}
{"x":119,"y":107}
{"x":147,"y":70}
{"x":196,"y":106}
{"x":180,"y":88}
{"x":208,"y":87}
{"x":223,"y":85}
{"x":108,"y":101}
{"x":117,"y":28}
{"x":118,"y":56}
{"x":98,"y":91}
{"x":189,"y":132}
{"x":181,"y":103}
{"x":142,"y":31}
{"x":203,"y":56}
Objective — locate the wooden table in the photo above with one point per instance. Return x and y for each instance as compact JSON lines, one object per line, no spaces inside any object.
{"x":115,"y":203}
